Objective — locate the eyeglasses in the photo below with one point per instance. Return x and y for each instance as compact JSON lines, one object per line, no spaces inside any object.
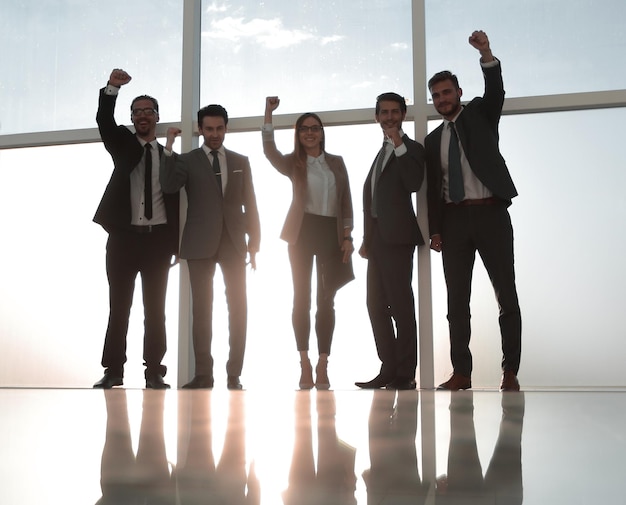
{"x":146,"y":112}
{"x":312,"y":129}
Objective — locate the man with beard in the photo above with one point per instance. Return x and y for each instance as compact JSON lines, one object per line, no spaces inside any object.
{"x":142,"y":224}
{"x":390,"y":236}
{"x":469,"y":191}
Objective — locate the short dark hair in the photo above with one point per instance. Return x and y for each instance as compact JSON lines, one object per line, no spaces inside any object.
{"x":391,"y":97}
{"x":444,"y":75}
{"x":155,"y":104}
{"x":212,"y":110}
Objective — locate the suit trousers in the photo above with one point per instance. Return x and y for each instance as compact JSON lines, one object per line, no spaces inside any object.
{"x":317,"y":239}
{"x":488,"y":230}
{"x":201,"y":274}
{"x":128,"y":254}
{"x":390,"y":299}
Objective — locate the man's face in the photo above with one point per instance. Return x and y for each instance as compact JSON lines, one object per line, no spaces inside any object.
{"x":145,"y":118}
{"x":390,"y":114}
{"x":446,"y":98}
{"x":213,"y":129}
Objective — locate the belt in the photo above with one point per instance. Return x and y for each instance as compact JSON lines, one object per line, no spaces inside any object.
{"x":492,"y":200}
{"x":150,"y":228}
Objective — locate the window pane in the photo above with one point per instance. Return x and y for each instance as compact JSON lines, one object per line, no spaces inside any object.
{"x":54,"y":293}
{"x":561,"y":46}
{"x":313,"y":54}
{"x":62,"y":52}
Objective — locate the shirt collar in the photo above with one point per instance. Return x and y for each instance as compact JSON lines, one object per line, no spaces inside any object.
{"x":320,"y":159}
{"x":208,"y":150}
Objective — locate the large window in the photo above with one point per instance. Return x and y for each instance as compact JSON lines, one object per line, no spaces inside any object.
{"x":333,"y":58}
{"x":58,"y":53}
{"x":314,"y":54}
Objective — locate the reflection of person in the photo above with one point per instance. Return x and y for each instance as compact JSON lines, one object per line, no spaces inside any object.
{"x":126,"y":479}
{"x":198,"y":480}
{"x":318,"y":225}
{"x":391,"y":234}
{"x":464,"y":479}
{"x":221,"y":211}
{"x":333,"y":481}
{"x":143,"y":232}
{"x":469,"y":190}
{"x":393,"y":476}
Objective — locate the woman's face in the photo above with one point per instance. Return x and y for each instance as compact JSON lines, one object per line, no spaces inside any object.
{"x":310,"y":134}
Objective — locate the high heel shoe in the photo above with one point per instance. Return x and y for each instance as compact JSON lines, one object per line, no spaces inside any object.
{"x":306,"y":375}
{"x":321,"y":375}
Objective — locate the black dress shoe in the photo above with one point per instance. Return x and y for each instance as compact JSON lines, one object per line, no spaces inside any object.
{"x":155,"y":381}
{"x":108,"y":381}
{"x":233,"y":383}
{"x":401,"y":384}
{"x":200,"y":382}
{"x":376,"y":383}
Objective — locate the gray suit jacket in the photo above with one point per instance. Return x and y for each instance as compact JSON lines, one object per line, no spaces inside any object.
{"x":207,"y":210}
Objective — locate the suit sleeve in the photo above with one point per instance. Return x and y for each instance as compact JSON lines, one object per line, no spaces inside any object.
{"x":411,"y":165}
{"x":253,"y":224}
{"x":433,"y":190}
{"x":282,"y":163}
{"x":173,"y":173}
{"x":114,"y":137}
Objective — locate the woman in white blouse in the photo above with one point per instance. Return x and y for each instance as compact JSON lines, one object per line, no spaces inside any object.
{"x":318,"y":226}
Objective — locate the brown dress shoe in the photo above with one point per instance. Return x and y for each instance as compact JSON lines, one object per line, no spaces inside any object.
{"x":509,"y":381}
{"x":456,"y":382}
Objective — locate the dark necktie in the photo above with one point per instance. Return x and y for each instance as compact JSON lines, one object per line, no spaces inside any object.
{"x":380,"y":160}
{"x":216,"y":169}
{"x":147,"y":187}
{"x":455,"y":177}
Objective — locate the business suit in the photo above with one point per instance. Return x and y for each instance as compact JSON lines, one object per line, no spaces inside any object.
{"x":389,"y":241}
{"x":215,"y":232}
{"x":466,"y":228}
{"x":312,"y":236}
{"x":130,"y":252}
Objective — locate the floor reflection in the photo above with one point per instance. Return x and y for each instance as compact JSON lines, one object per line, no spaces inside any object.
{"x":333,"y":480}
{"x":124,"y":477}
{"x":464,"y":481}
{"x":302,"y":448}
{"x":393,"y":476}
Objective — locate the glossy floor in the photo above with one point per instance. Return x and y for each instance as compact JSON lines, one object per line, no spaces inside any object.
{"x":269,"y":447}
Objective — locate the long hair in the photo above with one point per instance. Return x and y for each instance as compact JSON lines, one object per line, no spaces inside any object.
{"x":299,"y":152}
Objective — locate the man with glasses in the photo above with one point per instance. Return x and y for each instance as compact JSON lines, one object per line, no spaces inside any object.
{"x":142,"y":224}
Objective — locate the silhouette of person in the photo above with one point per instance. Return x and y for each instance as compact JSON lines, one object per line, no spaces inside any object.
{"x":393,"y":476}
{"x":198,"y":479}
{"x":333,"y":481}
{"x":464,"y":482}
{"x":124,"y":477}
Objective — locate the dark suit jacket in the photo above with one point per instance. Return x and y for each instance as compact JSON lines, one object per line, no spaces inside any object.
{"x":114,"y":212}
{"x":207,"y":209}
{"x":477,"y":127}
{"x":396,"y":217}
{"x":286,"y":164}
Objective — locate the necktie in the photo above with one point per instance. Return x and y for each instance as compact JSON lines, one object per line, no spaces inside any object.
{"x":455,"y":177}
{"x":216,"y":169}
{"x":147,"y":187}
{"x":380,"y":160}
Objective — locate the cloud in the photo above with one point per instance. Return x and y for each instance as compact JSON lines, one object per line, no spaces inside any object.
{"x":269,"y":33}
{"x":400,"y":46}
